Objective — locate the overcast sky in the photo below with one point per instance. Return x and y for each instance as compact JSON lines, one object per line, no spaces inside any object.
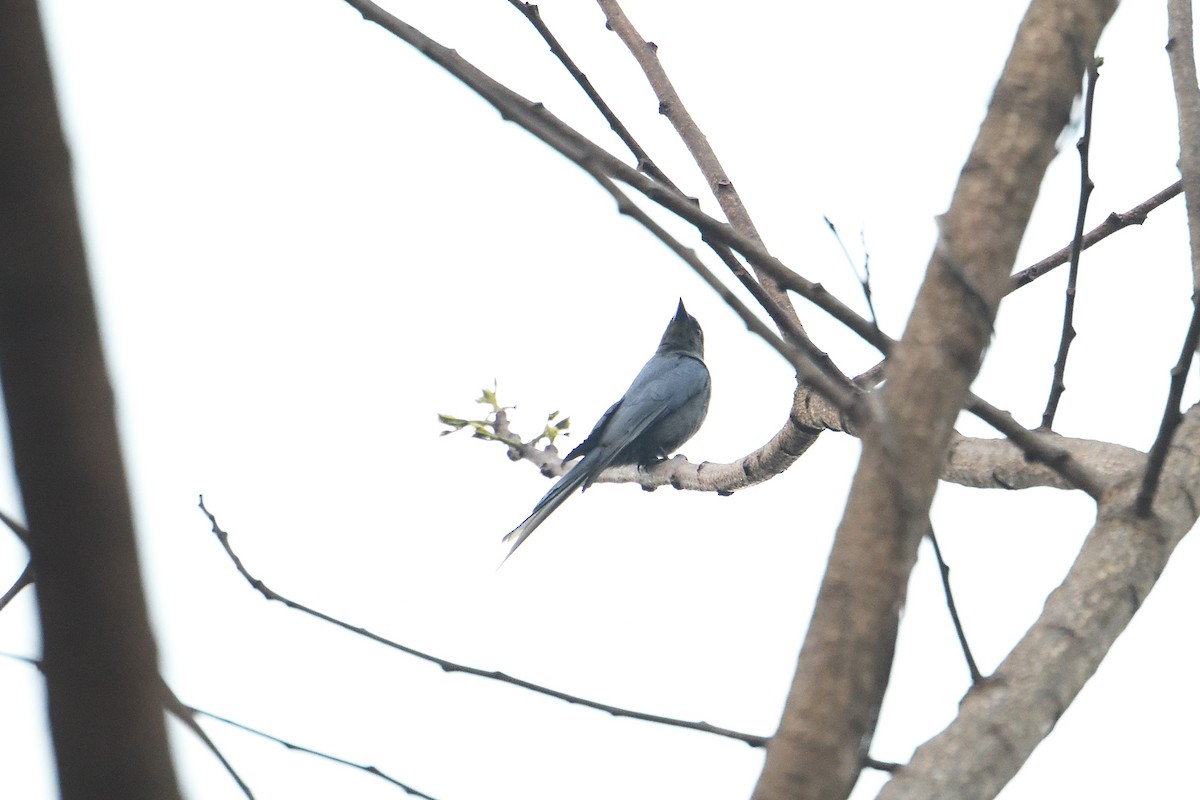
{"x":307,"y":240}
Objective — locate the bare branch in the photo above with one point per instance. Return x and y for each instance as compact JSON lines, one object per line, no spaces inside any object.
{"x":187,"y":715}
{"x":532,"y":13}
{"x":1058,"y":383}
{"x":1187,"y":99}
{"x":26,"y":578}
{"x":1003,"y":719}
{"x":20,"y":530}
{"x":811,"y":364}
{"x":1171,"y":414}
{"x":846,"y":660}
{"x":450,"y":666}
{"x":944,"y":571}
{"x":370,"y":770}
{"x":671,"y":106}
{"x":1038,"y":449}
{"x":1113,"y":223}
{"x":864,"y":279}
{"x":540,"y":122}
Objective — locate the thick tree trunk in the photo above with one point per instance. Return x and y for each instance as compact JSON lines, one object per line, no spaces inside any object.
{"x":846,"y":660}
{"x":99,"y":657}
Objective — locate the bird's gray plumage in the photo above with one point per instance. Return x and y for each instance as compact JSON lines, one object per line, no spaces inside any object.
{"x":663,"y":408}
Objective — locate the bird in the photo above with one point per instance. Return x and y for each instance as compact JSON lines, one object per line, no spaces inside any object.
{"x":664,"y":407}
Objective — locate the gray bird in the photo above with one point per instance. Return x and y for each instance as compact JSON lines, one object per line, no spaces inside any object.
{"x":663,"y":408}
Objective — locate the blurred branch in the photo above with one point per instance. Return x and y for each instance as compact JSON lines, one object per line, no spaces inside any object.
{"x":450,"y":666}
{"x":100,"y":658}
{"x":20,"y":530}
{"x":28,"y":575}
{"x":26,"y":578}
{"x":1058,"y":383}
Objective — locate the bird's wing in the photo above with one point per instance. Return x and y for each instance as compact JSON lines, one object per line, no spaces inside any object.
{"x":665,"y":385}
{"x":593,"y":438}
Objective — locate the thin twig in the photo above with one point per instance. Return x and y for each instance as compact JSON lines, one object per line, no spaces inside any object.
{"x":944,"y":570}
{"x":671,"y":106}
{"x":1036,"y":448}
{"x":646,"y":164}
{"x":26,"y":578}
{"x":450,"y":666}
{"x":20,"y":530}
{"x":864,"y":279}
{"x":1113,"y":223}
{"x":173,"y":704}
{"x":1058,"y":383}
{"x":1172,"y":414}
{"x":378,"y":773}
{"x":187,"y":715}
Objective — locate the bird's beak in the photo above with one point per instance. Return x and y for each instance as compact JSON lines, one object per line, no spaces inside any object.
{"x":680,"y":312}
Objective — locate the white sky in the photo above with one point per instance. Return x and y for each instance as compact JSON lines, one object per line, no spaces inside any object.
{"x":307,"y":241}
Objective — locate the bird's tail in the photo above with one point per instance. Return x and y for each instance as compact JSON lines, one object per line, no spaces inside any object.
{"x":560,"y":491}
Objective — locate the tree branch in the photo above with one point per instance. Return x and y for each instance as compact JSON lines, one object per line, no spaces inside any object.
{"x":100,"y":659}
{"x":1058,"y":383}
{"x":1003,"y":719}
{"x":846,"y":660}
{"x":1187,"y":100}
{"x":671,"y":106}
{"x":450,"y":666}
{"x":367,"y":768}
{"x":1113,"y":223}
{"x":644,"y":163}
{"x":26,"y":578}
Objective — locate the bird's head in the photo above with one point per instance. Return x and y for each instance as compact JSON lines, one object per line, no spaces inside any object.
{"x":683,"y":334}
